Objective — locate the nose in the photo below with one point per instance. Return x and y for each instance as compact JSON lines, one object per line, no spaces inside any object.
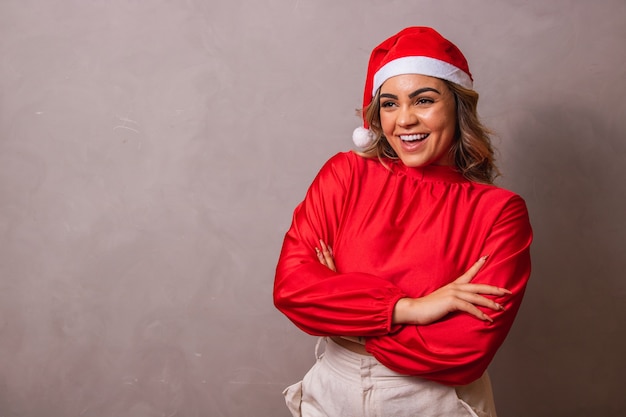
{"x":406,"y":117}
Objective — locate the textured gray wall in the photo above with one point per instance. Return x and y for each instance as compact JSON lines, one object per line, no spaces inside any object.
{"x":151,"y":154}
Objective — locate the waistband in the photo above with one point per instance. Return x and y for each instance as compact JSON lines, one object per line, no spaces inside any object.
{"x":352,"y":366}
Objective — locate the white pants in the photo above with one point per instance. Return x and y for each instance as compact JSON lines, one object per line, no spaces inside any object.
{"x":346,"y":384}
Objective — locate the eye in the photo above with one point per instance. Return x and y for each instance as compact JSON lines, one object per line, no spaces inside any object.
{"x":424,"y":100}
{"x":386,"y":104}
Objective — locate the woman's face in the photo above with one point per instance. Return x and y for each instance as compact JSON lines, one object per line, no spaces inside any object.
{"x":418,"y":118}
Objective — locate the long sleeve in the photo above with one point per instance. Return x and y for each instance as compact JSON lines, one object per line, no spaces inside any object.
{"x":318,"y":300}
{"x":458,"y":349}
{"x":403,"y":232}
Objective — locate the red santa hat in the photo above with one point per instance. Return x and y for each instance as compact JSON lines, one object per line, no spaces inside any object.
{"x":414,"y":50}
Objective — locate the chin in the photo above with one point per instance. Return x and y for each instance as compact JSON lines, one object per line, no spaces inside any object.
{"x":412,"y":163}
{"x":417,"y":161}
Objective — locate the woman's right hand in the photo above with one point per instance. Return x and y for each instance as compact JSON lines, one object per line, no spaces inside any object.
{"x":459,"y":295}
{"x":325,"y":256}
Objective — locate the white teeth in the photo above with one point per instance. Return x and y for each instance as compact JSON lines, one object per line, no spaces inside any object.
{"x":410,"y":138}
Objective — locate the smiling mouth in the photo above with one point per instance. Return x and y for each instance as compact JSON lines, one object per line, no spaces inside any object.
{"x":414,"y":138}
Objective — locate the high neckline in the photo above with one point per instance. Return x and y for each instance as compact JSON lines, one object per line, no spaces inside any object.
{"x":429,"y":173}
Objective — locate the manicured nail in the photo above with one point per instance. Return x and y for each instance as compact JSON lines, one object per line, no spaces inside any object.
{"x":486,"y":317}
{"x":484,"y":258}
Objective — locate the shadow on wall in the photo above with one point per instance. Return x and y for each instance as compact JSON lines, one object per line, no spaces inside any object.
{"x":566,"y":351}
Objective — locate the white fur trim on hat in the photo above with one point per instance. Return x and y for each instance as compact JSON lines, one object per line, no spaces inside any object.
{"x":421,"y":65}
{"x":362,"y":137}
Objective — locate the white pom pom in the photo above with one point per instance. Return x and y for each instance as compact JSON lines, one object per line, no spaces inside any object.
{"x":362,"y":137}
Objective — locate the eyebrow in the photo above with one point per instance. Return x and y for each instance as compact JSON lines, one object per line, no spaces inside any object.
{"x":423,"y":90}
{"x":413,"y":94}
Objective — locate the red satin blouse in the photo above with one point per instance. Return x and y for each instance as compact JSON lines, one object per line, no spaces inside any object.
{"x":403,"y":232}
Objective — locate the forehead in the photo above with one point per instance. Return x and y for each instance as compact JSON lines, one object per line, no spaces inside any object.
{"x":412,"y":82}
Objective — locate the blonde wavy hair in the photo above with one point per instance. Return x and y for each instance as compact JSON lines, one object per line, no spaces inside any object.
{"x":472,"y":150}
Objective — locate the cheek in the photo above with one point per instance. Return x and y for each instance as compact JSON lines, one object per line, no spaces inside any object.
{"x":443,"y":122}
{"x":387,"y":122}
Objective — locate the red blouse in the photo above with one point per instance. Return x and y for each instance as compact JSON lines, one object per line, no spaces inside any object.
{"x":403,"y":232}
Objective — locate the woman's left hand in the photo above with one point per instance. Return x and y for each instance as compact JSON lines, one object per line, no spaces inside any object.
{"x":325,"y":256}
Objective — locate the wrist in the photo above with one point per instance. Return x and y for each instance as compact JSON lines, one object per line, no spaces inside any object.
{"x":401,"y":311}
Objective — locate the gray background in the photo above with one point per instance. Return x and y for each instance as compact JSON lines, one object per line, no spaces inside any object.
{"x":152,"y":152}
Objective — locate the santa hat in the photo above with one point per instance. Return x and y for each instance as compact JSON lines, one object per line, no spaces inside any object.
{"x":414,"y":50}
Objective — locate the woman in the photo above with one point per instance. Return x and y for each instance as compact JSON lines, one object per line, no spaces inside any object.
{"x":429,"y":260}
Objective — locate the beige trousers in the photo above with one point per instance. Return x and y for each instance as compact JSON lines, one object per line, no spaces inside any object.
{"x":346,"y":384}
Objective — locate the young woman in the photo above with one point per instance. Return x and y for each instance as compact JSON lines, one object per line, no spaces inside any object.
{"x":429,"y":259}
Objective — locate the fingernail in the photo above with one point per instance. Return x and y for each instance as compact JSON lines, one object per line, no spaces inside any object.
{"x":500,"y":307}
{"x":506,"y":291}
{"x":484,"y":258}
{"x":488,"y":318}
